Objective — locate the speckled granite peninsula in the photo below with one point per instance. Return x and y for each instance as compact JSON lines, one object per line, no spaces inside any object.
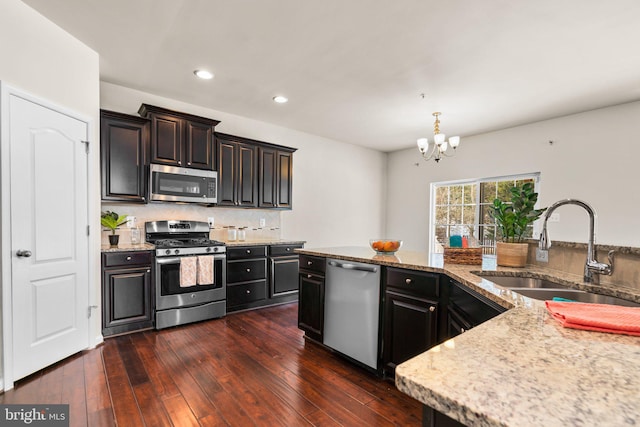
{"x":521,"y":368}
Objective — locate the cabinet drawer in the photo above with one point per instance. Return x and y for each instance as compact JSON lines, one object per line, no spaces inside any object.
{"x":283,"y":250}
{"x":243,"y":271}
{"x":126,"y":258}
{"x":246,"y":293}
{"x":415,"y":283}
{"x":241,"y":252}
{"x":312,"y":263}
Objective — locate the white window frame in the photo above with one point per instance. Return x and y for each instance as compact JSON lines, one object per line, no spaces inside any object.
{"x":535,"y":176}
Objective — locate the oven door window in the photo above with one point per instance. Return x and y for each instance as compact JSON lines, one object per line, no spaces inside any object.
{"x":170,"y":278}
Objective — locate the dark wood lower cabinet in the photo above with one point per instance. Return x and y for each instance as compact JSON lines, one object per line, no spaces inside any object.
{"x":311,"y":296}
{"x":467,"y":309}
{"x":411,"y":328}
{"x":433,"y":418}
{"x":127,"y":293}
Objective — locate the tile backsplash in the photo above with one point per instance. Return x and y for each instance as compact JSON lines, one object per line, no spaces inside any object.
{"x":571,"y":257}
{"x":177,"y":211}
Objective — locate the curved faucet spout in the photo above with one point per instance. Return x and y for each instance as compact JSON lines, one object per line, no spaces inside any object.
{"x":592,"y":265}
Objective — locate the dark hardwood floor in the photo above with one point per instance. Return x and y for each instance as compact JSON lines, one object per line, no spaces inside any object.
{"x":251,"y":368}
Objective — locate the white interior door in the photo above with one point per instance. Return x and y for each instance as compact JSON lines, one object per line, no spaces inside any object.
{"x":49,"y":242}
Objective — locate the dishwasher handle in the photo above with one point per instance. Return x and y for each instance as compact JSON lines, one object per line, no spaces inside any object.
{"x":348,"y":266}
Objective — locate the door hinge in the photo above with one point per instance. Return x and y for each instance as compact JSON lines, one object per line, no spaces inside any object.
{"x":91,"y":307}
{"x":88,"y":230}
{"x":86,"y":146}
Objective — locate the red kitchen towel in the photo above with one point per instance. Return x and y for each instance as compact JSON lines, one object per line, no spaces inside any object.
{"x":614,"y":319}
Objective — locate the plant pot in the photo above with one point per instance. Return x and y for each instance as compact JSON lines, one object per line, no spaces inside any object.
{"x":113,"y":240}
{"x":512,"y":254}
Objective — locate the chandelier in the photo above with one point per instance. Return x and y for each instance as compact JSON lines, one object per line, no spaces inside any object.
{"x":439,"y":147}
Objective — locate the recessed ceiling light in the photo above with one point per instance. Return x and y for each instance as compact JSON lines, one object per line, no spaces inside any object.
{"x":203,"y":74}
{"x":280,"y":99}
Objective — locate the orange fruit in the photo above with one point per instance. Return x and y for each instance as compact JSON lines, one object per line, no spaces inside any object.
{"x":389,"y":246}
{"x":396,"y":245}
{"x":377,"y":245}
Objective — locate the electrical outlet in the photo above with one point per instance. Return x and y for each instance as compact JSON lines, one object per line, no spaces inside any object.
{"x":211,"y":221}
{"x":263,"y":222}
{"x":542,"y":255}
{"x":554,"y":217}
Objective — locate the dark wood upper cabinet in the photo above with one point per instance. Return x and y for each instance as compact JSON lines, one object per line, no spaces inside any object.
{"x":237,"y":183}
{"x":275,"y":177}
{"x":180,"y":139}
{"x":124,"y":156}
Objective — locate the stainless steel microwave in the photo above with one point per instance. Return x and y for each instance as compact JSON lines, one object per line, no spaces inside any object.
{"x":173,"y":184}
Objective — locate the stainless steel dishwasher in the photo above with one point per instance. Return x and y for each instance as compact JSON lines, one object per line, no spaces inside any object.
{"x":351,"y":310}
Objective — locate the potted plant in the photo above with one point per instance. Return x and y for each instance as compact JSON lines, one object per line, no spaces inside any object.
{"x":512,"y":220}
{"x":112,"y":221}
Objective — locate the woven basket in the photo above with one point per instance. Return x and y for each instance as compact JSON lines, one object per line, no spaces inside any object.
{"x":470,"y":256}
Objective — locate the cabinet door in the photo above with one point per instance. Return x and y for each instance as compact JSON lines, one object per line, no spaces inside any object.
{"x":285,"y":180}
{"x":166,"y":139}
{"x":267,"y":182}
{"x":284,"y":275}
{"x":199,"y":145}
{"x":226,"y":173}
{"x":126,"y":300}
{"x":246,"y":179}
{"x":124,"y":144}
{"x":456,"y":323}
{"x":410,"y":328}
{"x":311,"y":305}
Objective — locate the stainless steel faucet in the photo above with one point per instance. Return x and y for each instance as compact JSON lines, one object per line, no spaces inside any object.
{"x":592,"y":265}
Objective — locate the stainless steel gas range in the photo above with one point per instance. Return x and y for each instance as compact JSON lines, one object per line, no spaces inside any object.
{"x":190,"y":272}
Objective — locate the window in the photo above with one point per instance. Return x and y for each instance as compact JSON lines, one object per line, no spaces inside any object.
{"x":465,"y":206}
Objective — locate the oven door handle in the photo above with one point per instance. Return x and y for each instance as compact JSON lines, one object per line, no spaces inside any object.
{"x":172,"y":260}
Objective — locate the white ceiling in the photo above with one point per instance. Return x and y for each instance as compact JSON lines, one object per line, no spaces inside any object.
{"x":353,"y":70}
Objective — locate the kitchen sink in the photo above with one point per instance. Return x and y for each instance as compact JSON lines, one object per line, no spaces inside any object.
{"x":575,"y":295}
{"x":523,"y":282}
{"x":542,"y":289}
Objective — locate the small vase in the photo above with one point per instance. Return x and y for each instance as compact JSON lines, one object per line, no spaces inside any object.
{"x":512,"y":254}
{"x":113,"y":240}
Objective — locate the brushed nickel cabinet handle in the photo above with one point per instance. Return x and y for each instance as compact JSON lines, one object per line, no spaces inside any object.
{"x":432,"y":309}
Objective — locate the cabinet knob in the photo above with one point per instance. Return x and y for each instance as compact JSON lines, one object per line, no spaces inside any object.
{"x":248,"y":292}
{"x":407,"y":281}
{"x":188,"y":163}
{"x":248,"y":251}
{"x":148,"y":271}
{"x":462,"y":330}
{"x":179,"y":162}
{"x":308,"y":276}
{"x":288,"y":249}
{"x":128,"y":258}
{"x":248,"y":270}
{"x":432,"y":309}
{"x":309,"y":262}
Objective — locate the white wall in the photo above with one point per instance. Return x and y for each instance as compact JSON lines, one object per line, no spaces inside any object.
{"x":594,"y":158}
{"x":338,"y":188}
{"x":45,"y":61}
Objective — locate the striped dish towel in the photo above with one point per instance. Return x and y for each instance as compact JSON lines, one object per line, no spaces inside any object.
{"x":614,"y":319}
{"x":188,"y":268}
{"x":205,"y":270}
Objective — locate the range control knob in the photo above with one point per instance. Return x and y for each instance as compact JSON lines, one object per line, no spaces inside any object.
{"x":177,"y":251}
{"x":216,"y":249}
{"x":208,"y":249}
{"x":168,"y":251}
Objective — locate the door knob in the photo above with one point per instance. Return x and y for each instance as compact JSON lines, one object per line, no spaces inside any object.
{"x":23,"y":253}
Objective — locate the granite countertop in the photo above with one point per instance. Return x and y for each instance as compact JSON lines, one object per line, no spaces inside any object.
{"x":125,"y":247}
{"x":522,"y":367}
